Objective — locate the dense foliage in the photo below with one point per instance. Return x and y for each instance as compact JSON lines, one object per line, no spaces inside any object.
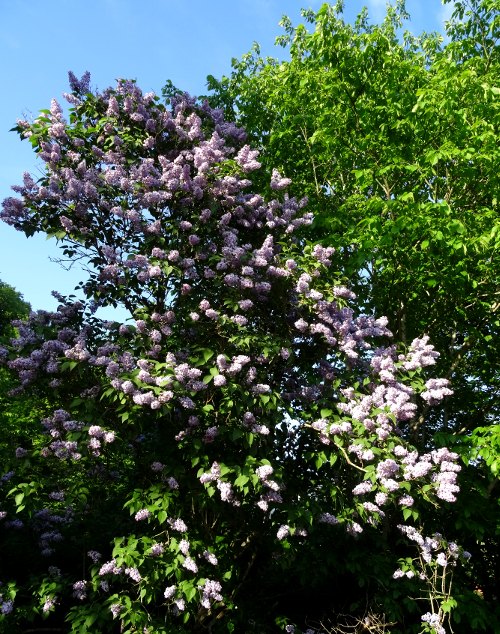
{"x":226,"y":461}
{"x":394,"y":138}
{"x":15,"y":414}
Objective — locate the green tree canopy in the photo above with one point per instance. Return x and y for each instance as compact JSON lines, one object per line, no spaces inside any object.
{"x":12,"y":306}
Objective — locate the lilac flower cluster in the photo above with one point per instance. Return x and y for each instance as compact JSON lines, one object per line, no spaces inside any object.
{"x":211,"y":592}
{"x":110,"y":568}
{"x":434,"y":550}
{"x":39,"y":350}
{"x":225,"y":488}
{"x":80,"y":590}
{"x":434,"y":621}
{"x":49,"y":604}
{"x":6,"y":605}
{"x":272,"y":495}
{"x":98,"y":435}
{"x":48,"y":525}
{"x":143,"y":514}
{"x":59,"y":426}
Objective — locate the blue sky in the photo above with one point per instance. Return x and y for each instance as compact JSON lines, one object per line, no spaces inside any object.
{"x":151,"y":41}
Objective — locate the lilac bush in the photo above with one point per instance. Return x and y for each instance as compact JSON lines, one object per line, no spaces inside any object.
{"x":245,"y":408}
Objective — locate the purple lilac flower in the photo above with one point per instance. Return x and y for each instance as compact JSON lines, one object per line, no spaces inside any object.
{"x":94,"y":555}
{"x":157,"y":550}
{"x":418,"y":470}
{"x":406,"y":500}
{"x":210,"y":434}
{"x":373,"y":508}
{"x":211,"y":592}
{"x":226,"y":492}
{"x":446,"y":491}
{"x":264,"y":472}
{"x":186,"y":402}
{"x":283,"y":531}
{"x":115,"y":609}
{"x":354,"y":528}
{"x":362,"y":488}
{"x":261,"y":429}
{"x":189,"y":564}
{"x":210,"y":557}
{"x":436,"y":390}
{"x":323,"y":254}
{"x":109,"y":437}
{"x":48,"y":604}
{"x":172,"y":484}
{"x":343,"y":291}
{"x":143,"y":514}
{"x":301,"y":325}
{"x":79,"y":590}
{"x":390,"y":484}
{"x":6,"y":607}
{"x":109,"y":568}
{"x":387,"y":468}
{"x":434,"y":620}
{"x":219,"y":380}
{"x":421,"y":354}
{"x":246,"y":159}
{"x":134,"y":574}
{"x":178,"y":525}
{"x":279,"y":182}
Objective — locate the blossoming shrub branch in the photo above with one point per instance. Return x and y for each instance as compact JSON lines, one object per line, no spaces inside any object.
{"x":244,"y":416}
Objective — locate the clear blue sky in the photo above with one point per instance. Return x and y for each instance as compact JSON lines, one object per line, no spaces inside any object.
{"x":151,"y":41}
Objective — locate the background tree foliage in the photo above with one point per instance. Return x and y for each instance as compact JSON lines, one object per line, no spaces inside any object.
{"x":395,"y":139}
{"x":15,"y":413}
{"x":12,"y":306}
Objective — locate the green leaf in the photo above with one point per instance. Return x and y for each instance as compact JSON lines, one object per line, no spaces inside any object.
{"x":241,"y":480}
{"x":207,"y":354}
{"x":161,"y":517}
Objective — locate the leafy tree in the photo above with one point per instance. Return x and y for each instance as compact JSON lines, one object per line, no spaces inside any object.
{"x":394,"y":138}
{"x":226,"y":461}
{"x":15,"y":413}
{"x":12,"y":306}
